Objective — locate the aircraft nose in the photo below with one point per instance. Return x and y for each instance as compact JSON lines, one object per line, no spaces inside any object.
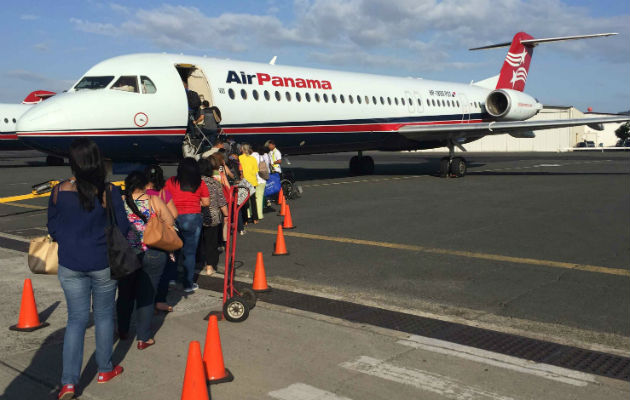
{"x":41,"y":123}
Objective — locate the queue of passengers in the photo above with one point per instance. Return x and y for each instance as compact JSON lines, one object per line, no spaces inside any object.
{"x":193,"y":201}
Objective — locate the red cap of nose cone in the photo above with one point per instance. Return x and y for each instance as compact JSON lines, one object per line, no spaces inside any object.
{"x":590,"y":109}
{"x":37,"y":96}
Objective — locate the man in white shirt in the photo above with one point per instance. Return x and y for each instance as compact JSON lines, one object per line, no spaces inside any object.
{"x":275,"y":156}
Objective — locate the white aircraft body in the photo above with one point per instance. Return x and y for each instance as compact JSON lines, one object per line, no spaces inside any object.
{"x":135,"y":108}
{"x":11,"y":113}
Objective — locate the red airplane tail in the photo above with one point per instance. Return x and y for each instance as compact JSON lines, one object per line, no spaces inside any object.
{"x":516,"y":65}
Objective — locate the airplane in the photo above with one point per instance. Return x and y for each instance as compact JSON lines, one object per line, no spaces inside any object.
{"x":9,"y":115}
{"x":135,"y":108}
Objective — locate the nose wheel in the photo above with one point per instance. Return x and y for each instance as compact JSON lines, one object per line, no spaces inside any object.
{"x":361,"y":165}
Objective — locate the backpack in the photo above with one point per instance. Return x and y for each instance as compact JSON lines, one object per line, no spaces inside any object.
{"x":263,"y":170}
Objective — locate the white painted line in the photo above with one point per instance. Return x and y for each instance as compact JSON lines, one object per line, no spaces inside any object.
{"x":14,"y":237}
{"x":301,"y":391}
{"x":429,"y":381}
{"x":546,"y":371}
{"x":547,"y":165}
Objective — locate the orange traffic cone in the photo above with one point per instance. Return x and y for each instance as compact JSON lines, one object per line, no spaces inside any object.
{"x":260,"y":279}
{"x":281,"y":198}
{"x":283,"y":209}
{"x":281,"y":248}
{"x":195,"y":387}
{"x":213,"y":355}
{"x":288,"y":222}
{"x":28,"y":320}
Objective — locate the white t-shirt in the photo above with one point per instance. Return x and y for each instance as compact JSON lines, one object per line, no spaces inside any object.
{"x":258,"y":158}
{"x":275,"y":155}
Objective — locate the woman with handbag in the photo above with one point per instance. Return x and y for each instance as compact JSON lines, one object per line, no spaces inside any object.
{"x":77,"y":219}
{"x":261,"y":176}
{"x":140,"y":287}
{"x":189,"y":195}
{"x":155,"y":175}
{"x":214,"y":214}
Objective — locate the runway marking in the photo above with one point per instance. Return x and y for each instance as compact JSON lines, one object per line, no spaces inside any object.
{"x":429,"y":381}
{"x":544,"y":165}
{"x":301,"y":391}
{"x":364,"y":181}
{"x":26,"y":206}
{"x":459,"y":253}
{"x":499,"y":360}
{"x":14,"y":237}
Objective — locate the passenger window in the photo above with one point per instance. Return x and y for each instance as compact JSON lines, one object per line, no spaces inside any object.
{"x":6,"y":120}
{"x":255,"y":94}
{"x":443,"y":103}
{"x":317,"y":97}
{"x":374,"y":100}
{"x":382,"y":100}
{"x":278,"y":96}
{"x":334,"y":98}
{"x":231,"y":93}
{"x":307,"y":96}
{"x":342,"y":99}
{"x":410,"y":102}
{"x":359,"y":99}
{"x":457,"y":102}
{"x":244,"y":94}
{"x":288,"y":96}
{"x":402,"y":101}
{"x":298,"y":96}
{"x":396,"y":100}
{"x":267,"y":96}
{"x":419,"y":102}
{"x":389,"y":101}
{"x":14,"y":121}
{"x":325,"y":96}
{"x":147,"y":85}
{"x":351,"y":99}
{"x":126,"y":84}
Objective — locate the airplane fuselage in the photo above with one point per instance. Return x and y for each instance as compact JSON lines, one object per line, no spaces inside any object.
{"x":303,"y":110}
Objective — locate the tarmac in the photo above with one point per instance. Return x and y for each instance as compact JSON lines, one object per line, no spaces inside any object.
{"x":530,"y":244}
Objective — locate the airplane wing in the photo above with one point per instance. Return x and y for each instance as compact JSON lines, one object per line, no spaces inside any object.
{"x":479,"y":129}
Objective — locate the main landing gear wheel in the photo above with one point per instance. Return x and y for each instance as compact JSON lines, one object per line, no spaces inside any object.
{"x":249,"y":296}
{"x":363,"y":165}
{"x":236,"y":309}
{"x":458,"y":167}
{"x":444,"y":167}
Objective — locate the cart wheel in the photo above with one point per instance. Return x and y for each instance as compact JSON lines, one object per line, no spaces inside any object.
{"x":236,"y":310}
{"x":249,"y":296}
{"x":288,"y":189}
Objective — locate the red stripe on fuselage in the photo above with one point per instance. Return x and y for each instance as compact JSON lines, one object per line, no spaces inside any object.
{"x":144,"y":132}
{"x":8,"y":137}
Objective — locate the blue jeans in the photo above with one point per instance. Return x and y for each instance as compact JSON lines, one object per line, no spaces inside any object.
{"x":169,"y":274}
{"x":189,"y":226}
{"x":82,"y":289}
{"x":140,"y":288}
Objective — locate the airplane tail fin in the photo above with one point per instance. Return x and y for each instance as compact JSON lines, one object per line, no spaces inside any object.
{"x":516,"y":65}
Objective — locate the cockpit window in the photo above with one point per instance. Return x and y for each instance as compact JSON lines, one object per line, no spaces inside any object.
{"x":127,"y":84}
{"x":147,"y":85}
{"x":93,"y":82}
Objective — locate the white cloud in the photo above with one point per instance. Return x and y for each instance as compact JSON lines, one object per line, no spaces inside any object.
{"x":29,"y":17}
{"x":41,"y":47}
{"x":40,"y":81}
{"x":119,"y":8}
{"x":412,"y":34}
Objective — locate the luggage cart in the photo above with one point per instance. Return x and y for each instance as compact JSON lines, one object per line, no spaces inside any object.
{"x":236,"y":302}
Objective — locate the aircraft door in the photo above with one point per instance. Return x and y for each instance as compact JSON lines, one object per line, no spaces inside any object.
{"x":465,"y":107}
{"x":196,"y":81}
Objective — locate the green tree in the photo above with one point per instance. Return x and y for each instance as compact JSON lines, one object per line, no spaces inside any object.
{"x":623,"y":132}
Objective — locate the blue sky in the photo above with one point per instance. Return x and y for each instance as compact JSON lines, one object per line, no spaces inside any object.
{"x":49,"y":45}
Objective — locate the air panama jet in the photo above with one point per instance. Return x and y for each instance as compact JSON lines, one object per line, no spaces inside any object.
{"x":135,"y":108}
{"x":9,"y":115}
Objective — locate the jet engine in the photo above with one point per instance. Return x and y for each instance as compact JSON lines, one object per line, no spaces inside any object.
{"x":511,"y":105}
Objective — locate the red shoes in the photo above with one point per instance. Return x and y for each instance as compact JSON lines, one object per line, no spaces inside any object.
{"x":108,"y":376}
{"x":143,"y":345}
{"x":66,"y":392}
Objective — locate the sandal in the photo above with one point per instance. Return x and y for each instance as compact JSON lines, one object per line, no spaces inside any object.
{"x":163,"y":307}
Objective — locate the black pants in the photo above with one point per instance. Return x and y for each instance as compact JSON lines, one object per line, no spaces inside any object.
{"x":211,"y":244}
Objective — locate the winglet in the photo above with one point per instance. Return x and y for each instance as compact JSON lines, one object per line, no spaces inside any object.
{"x":273,"y":60}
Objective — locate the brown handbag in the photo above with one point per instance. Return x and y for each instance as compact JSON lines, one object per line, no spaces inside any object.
{"x":42,"y":255}
{"x":161,"y":236}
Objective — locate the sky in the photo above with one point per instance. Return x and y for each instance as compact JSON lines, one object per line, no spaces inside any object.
{"x":50,"y":44}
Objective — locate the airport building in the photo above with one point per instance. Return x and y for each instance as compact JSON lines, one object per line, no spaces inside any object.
{"x":560,"y":139}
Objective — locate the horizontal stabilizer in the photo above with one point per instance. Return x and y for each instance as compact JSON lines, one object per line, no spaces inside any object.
{"x":488,"y":83}
{"x":534,"y":42}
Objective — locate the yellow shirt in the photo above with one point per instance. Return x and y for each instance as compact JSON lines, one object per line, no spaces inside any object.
{"x":250,"y":168}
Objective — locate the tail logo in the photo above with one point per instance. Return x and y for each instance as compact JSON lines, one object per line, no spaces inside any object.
{"x":518,"y":75}
{"x":515,"y":59}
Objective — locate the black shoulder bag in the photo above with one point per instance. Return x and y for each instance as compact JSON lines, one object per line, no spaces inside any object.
{"x":122,"y":259}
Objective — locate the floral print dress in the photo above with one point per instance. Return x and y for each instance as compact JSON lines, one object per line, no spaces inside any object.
{"x":136,"y":233}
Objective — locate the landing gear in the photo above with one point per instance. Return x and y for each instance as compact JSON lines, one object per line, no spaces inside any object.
{"x":452,"y":166}
{"x":54,"y":161}
{"x":361,"y":165}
